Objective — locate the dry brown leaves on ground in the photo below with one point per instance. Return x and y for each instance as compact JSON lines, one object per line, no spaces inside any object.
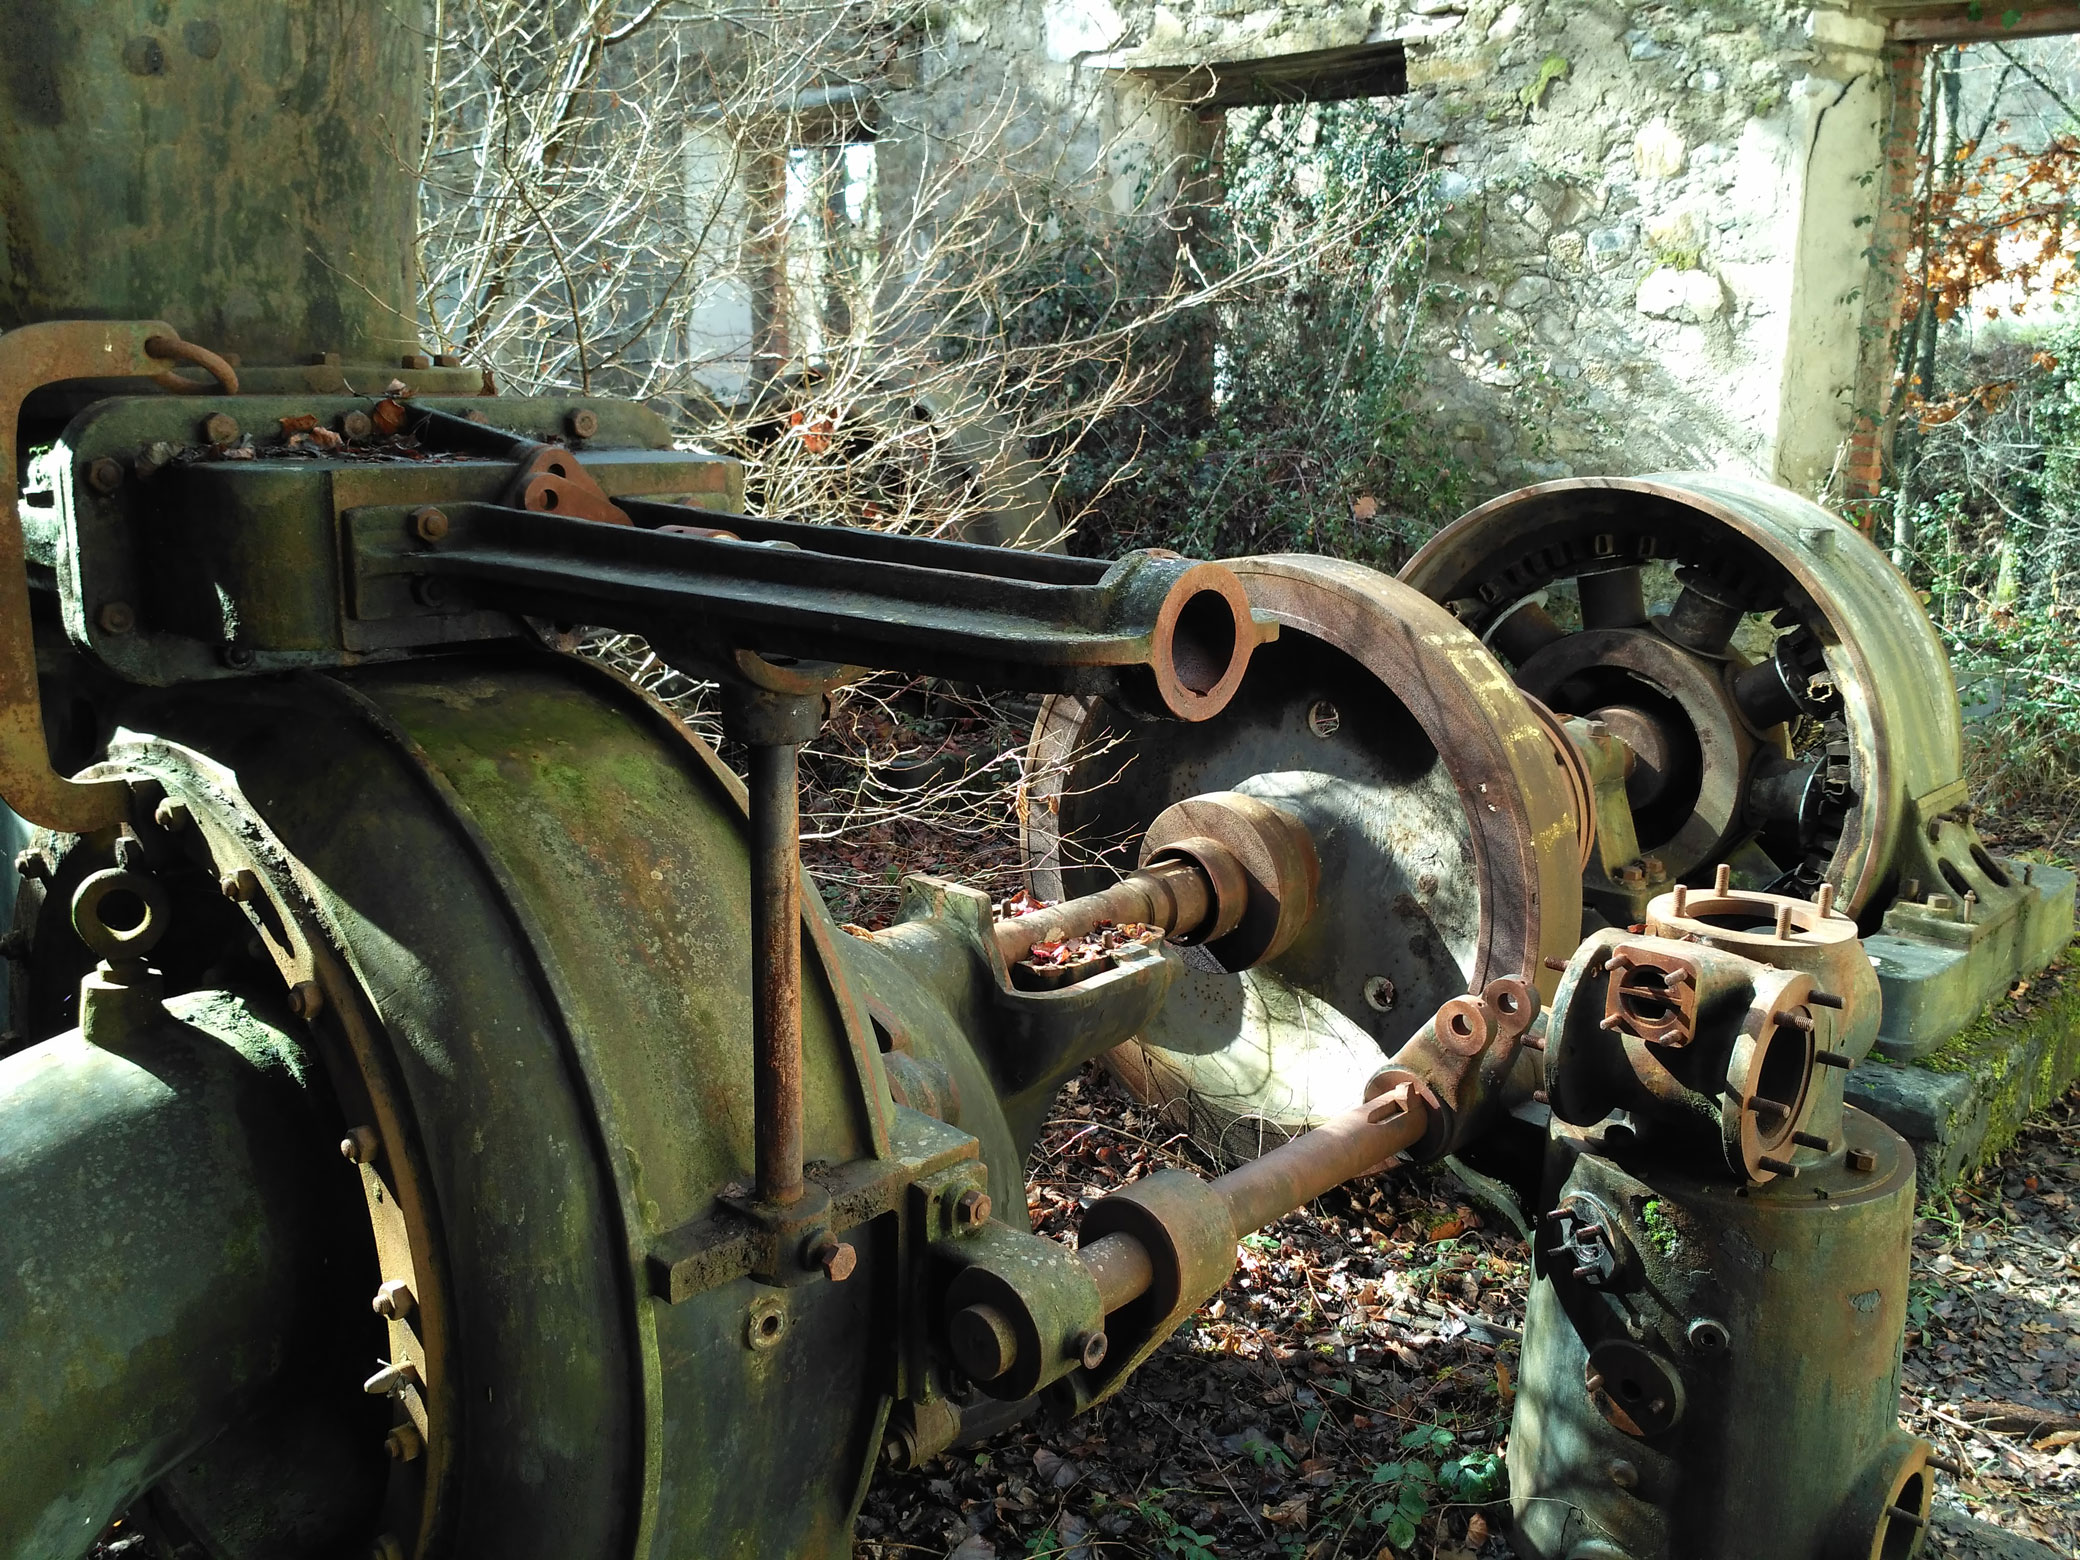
{"x":1360,"y":1367}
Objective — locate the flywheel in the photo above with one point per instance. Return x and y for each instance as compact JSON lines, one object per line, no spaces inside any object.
{"x":1446,"y":824}
{"x":1702,"y":620}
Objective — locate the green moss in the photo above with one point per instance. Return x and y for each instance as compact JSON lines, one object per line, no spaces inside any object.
{"x":2020,"y":1060}
{"x":1660,"y":1229}
{"x":1552,"y":68}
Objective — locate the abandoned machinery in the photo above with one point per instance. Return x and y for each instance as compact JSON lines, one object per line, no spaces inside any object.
{"x":435,"y":1121}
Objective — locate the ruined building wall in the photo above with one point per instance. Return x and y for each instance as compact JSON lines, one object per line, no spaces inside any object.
{"x":1658,"y":252}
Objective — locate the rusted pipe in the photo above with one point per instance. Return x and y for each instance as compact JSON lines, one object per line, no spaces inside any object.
{"x":1270,"y":1187}
{"x":1121,"y":1267}
{"x":776,"y":965}
{"x":1175,"y":895}
{"x":1340,"y":1149}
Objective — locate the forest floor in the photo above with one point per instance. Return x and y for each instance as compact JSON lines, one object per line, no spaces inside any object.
{"x":1347,"y":1395}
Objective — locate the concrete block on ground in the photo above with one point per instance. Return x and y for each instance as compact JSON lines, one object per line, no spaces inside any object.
{"x":1963,"y":1102}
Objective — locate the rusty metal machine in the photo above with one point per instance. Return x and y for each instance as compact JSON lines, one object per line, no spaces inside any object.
{"x":434,"y":1120}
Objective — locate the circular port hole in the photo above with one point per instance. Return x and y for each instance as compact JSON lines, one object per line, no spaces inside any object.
{"x":120,"y":910}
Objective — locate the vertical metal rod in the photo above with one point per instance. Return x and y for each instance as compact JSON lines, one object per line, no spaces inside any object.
{"x":776,"y":970}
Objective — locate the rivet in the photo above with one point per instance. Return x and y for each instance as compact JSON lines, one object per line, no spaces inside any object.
{"x":219,"y":428}
{"x":404,"y":1443}
{"x":240,"y":886}
{"x":357,"y":425}
{"x":116,"y":617}
{"x":1622,"y":1473}
{"x":105,"y":474}
{"x":237,"y":657}
{"x":583,"y":423}
{"x":359,"y":1146}
{"x":429,"y":524}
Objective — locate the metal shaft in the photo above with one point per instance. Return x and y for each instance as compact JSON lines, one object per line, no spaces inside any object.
{"x":776,"y":970}
{"x":1290,"y":1176}
{"x":1172,"y":895}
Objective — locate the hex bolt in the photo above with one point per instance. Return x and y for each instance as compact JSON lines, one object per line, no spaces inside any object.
{"x":357,"y":425}
{"x":1942,"y":904}
{"x":429,"y":524}
{"x":1632,"y":875}
{"x":392,"y":1379}
{"x":306,"y":998}
{"x":359,"y":1146}
{"x":1707,"y":1335}
{"x":583,"y":423}
{"x":172,"y":816}
{"x":971,"y":1209}
{"x":1862,"y":1161}
{"x":404,"y":1444}
{"x":1656,"y":869}
{"x":447,"y":360}
{"x":35,"y":865}
{"x":116,"y":617}
{"x":129,"y":851}
{"x":1596,"y":730}
{"x":394,"y":1300}
{"x":835,"y":1257}
{"x":415,"y":360}
{"x":241,"y":886}
{"x":1090,"y":1347}
{"x":105,"y":474}
{"x":1622,"y":1473}
{"x":219,"y":428}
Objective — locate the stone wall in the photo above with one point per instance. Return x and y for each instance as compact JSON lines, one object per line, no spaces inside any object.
{"x":1658,"y":252}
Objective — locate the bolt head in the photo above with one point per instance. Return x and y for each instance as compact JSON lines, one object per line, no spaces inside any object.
{"x":116,"y":617}
{"x":836,"y":1258}
{"x":239,"y":886}
{"x":359,"y":1146}
{"x":306,"y":997}
{"x":429,"y":524}
{"x":357,"y":425}
{"x":238,"y":657}
{"x":219,"y":428}
{"x":1622,"y":1473}
{"x":415,"y":360}
{"x":972,"y":1209}
{"x":105,"y":475}
{"x":172,"y":816}
{"x":34,"y":865}
{"x":404,"y":1443}
{"x":583,"y":423}
{"x":1862,"y":1161}
{"x":394,"y":1299}
{"x":446,"y":360}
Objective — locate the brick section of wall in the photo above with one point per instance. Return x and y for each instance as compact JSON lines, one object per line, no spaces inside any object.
{"x":1884,"y":291}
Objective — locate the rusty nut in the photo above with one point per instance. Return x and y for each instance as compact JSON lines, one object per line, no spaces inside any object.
{"x":835,"y":1257}
{"x":971,"y":1209}
{"x":241,"y":886}
{"x":105,"y":475}
{"x":172,"y":816}
{"x":404,"y":1443}
{"x":429,"y":524}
